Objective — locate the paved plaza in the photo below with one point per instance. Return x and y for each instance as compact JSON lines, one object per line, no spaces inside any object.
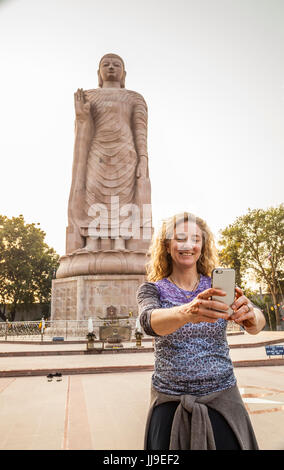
{"x":106,"y":408}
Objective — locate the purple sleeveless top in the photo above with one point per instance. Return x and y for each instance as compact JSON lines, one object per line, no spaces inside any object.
{"x":195,"y":358}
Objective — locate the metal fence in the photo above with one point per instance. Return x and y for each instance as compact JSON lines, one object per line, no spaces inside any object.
{"x":73,"y":330}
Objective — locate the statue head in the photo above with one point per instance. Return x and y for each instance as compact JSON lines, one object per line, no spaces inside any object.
{"x":111,"y":68}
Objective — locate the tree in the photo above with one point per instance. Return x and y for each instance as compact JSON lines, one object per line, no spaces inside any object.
{"x":255,"y":241}
{"x":27,"y":264}
{"x":229,"y":256}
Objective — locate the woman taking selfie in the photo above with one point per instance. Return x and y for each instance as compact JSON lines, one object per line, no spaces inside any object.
{"x":195,"y":402}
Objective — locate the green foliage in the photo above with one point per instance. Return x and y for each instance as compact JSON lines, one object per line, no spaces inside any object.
{"x":26,"y":263}
{"x":255,"y":242}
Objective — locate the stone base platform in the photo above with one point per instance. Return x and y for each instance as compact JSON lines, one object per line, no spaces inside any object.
{"x":83,"y":297}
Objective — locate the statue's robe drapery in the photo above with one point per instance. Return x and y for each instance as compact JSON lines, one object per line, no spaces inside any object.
{"x":119,"y":139}
{"x":120,"y":135}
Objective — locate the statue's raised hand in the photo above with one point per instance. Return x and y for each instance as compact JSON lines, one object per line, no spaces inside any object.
{"x":82,"y":107}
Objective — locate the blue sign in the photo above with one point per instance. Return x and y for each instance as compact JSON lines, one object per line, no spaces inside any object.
{"x":274,"y":350}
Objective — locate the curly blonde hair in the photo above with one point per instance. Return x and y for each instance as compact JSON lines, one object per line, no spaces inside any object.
{"x":160,"y":263}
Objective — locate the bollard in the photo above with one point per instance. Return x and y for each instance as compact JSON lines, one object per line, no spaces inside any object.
{"x":42,"y":328}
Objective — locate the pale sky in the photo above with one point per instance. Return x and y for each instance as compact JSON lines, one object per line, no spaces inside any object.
{"x":211,"y":72}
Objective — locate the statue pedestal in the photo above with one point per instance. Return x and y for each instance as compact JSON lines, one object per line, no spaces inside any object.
{"x":83,"y":297}
{"x":84,"y":262}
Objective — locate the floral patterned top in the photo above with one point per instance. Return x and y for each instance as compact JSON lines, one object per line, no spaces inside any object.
{"x":195,"y":358}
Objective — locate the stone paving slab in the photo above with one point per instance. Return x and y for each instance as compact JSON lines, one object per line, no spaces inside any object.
{"x":247,"y":340}
{"x":93,"y":363}
{"x":75,"y":362}
{"x":239,"y":340}
{"x":108,"y":411}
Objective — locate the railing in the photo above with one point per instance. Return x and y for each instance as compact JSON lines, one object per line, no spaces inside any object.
{"x":74,"y":330}
{"x":49,"y":330}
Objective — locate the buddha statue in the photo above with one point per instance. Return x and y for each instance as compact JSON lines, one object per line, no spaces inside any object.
{"x":110,"y":175}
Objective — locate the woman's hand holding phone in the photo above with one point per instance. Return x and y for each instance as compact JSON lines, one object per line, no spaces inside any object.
{"x":204,"y":309}
{"x":243,"y":310}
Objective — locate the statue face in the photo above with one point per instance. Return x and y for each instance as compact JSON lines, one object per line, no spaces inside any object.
{"x":111,"y":69}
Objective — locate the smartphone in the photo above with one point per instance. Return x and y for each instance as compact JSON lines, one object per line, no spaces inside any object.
{"x":224,"y":279}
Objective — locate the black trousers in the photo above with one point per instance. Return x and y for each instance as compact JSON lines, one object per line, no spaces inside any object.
{"x":161,"y":423}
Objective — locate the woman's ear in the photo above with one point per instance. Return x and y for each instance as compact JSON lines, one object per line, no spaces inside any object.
{"x":167,"y":245}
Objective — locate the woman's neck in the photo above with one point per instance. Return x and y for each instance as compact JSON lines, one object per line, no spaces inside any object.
{"x":186,"y":279}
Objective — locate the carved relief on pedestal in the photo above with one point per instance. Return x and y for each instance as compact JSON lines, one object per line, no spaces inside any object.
{"x":64,"y":301}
